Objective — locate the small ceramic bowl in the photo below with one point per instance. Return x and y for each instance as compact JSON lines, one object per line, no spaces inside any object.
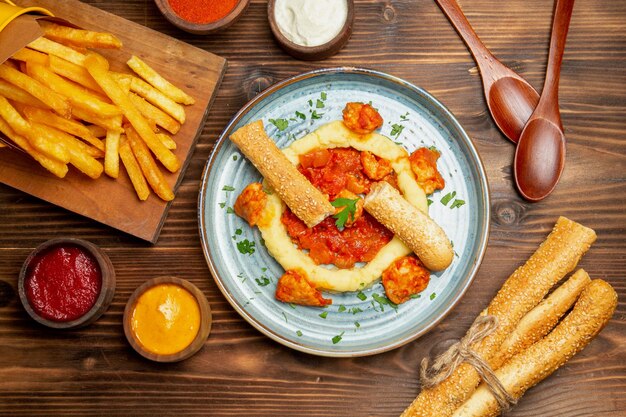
{"x":202,"y":28}
{"x":312,"y":53}
{"x":203,"y":331}
{"x":107,"y":289}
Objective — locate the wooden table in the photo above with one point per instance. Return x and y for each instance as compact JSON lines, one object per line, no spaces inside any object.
{"x":242,"y":372}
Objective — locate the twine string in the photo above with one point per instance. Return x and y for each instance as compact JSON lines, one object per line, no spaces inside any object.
{"x":446,"y":363}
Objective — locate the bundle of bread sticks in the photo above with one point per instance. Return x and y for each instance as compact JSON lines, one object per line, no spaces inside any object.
{"x":61,"y":104}
{"x":536,"y":332}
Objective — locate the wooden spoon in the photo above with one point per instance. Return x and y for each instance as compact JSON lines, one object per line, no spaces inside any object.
{"x":540,"y":153}
{"x":511,"y":100}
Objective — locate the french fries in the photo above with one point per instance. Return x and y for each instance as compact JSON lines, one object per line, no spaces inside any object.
{"x":159,"y":99}
{"x":99,"y":71}
{"x":134,"y":170}
{"x":97,"y":131}
{"x":18,"y":95}
{"x":37,"y":138}
{"x":61,"y":104}
{"x":73,"y":72}
{"x":154,"y":114}
{"x":54,"y":166}
{"x":46,"y":117}
{"x":29,"y":55}
{"x":57,"y":49}
{"x":150,"y":170}
{"x":80,"y":38}
{"x":76,"y":96}
{"x":56,"y":101}
{"x":157,"y":81}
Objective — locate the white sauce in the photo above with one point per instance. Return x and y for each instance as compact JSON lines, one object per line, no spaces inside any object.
{"x":310,"y":22}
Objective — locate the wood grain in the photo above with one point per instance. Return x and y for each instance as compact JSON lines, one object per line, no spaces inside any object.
{"x":113,"y":202}
{"x":239,"y":372}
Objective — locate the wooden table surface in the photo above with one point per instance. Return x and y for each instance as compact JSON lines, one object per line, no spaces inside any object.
{"x":240,"y":371}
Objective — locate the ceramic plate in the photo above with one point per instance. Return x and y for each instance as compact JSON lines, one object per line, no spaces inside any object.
{"x":357,"y":323}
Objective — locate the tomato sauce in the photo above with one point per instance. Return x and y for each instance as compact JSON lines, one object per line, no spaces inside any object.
{"x":342,"y":170}
{"x":331,"y":171}
{"x":63,"y":283}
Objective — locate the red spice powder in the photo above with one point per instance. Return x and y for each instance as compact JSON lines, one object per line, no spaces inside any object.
{"x":202,"y":11}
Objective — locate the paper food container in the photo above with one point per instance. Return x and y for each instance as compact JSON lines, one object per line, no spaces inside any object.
{"x":19,"y":26}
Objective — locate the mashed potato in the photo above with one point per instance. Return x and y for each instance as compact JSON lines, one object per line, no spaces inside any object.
{"x":325,"y":277}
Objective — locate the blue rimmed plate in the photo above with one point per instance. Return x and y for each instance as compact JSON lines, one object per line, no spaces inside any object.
{"x":357,"y":323}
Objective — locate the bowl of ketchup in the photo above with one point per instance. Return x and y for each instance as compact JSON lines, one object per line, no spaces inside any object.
{"x":66,"y":283}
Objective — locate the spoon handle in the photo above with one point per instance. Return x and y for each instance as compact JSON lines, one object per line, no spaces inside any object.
{"x":548,"y":104}
{"x":451,"y":8}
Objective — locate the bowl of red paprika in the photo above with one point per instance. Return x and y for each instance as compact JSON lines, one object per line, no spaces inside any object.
{"x":66,"y":283}
{"x":202,"y":17}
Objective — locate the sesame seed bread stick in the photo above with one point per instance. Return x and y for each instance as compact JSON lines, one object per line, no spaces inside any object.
{"x":522,"y":291}
{"x":305,"y":201}
{"x":416,"y":229}
{"x":541,"y":320}
{"x":590,"y":314}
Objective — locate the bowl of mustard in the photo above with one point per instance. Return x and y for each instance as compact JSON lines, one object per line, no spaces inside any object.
{"x":167,"y":319}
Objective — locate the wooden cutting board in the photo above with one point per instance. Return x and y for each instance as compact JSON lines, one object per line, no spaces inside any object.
{"x":114,"y":202}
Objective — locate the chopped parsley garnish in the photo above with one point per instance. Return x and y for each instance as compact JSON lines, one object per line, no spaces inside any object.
{"x":319,"y":104}
{"x":357,"y":324}
{"x":348,"y":211}
{"x":341,"y":309}
{"x":415,"y":296}
{"x":299,"y":333}
{"x":433,"y":148}
{"x":235,"y":157}
{"x":263,"y":269}
{"x":361,"y":296}
{"x":372,"y":104}
{"x":405,"y":117}
{"x":355,"y":310}
{"x":429,"y":201}
{"x":315,"y":115}
{"x":263,"y":281}
{"x":292,"y":305}
{"x":323,"y":95}
{"x":338,"y":338}
{"x":238,"y":232}
{"x":396,"y":129}
{"x":310,"y":103}
{"x":246,"y":247}
{"x":383,"y":301}
{"x":323,"y":314}
{"x":228,"y":188}
{"x":281,"y":124}
{"x":230,"y":210}
{"x":223,"y":204}
{"x":446,"y":198}
{"x":301,"y":115}
{"x":457,"y":203}
{"x":432,"y":296}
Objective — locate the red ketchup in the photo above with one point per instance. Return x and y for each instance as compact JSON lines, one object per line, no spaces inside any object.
{"x":63,"y":283}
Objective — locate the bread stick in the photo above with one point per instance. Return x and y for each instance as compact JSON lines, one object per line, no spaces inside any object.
{"x":416,"y":229}
{"x":541,"y":320}
{"x":590,"y":314}
{"x":305,"y":201}
{"x":525,"y":288}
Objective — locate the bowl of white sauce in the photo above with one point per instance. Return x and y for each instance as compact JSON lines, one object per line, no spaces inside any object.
{"x":311,"y":29}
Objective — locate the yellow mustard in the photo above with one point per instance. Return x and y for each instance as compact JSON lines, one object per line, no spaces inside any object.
{"x":166,"y":319}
